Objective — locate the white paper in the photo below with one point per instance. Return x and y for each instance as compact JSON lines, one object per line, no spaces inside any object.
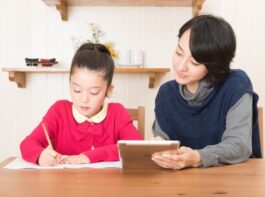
{"x":19,"y":163}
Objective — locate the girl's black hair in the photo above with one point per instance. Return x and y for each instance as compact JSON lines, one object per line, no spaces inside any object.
{"x":212,"y":43}
{"x":94,"y":57}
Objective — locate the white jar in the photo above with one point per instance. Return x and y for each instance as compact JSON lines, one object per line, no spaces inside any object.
{"x":136,"y":57}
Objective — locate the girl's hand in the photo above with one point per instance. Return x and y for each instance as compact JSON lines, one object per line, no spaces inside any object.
{"x":177,"y":159}
{"x":49,"y":157}
{"x":75,"y":159}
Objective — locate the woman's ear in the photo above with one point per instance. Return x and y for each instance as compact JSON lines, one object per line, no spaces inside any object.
{"x":109,"y":90}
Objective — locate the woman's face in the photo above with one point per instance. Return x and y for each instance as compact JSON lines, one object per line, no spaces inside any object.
{"x":187,"y":71}
{"x":88,"y":91}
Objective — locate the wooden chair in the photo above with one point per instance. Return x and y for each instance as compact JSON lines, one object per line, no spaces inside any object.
{"x":260,"y":116}
{"x":138,"y":114}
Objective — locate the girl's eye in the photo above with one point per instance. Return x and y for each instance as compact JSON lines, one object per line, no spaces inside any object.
{"x":77,"y":91}
{"x":94,"y":93}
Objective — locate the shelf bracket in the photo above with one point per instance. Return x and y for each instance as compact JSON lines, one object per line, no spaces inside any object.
{"x":62,"y":8}
{"x":152,"y":79}
{"x":196,"y":7}
{"x":18,"y":77}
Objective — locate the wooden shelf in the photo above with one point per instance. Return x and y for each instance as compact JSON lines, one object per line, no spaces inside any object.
{"x":18,"y":74}
{"x":61,"y":5}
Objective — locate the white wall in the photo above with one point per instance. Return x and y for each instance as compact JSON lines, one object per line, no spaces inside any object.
{"x":29,"y":28}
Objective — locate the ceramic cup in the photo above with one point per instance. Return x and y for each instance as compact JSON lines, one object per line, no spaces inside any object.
{"x":136,"y":57}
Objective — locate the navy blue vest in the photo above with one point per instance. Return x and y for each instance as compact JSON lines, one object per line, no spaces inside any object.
{"x":199,"y":126}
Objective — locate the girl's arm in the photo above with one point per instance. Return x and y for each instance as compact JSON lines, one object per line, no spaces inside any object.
{"x":32,"y":146}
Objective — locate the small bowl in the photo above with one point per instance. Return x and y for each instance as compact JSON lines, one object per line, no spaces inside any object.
{"x":48,"y":62}
{"x":32,"y":61}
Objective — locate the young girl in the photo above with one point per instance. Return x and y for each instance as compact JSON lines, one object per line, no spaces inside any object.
{"x":85,"y":130}
{"x":209,"y":108}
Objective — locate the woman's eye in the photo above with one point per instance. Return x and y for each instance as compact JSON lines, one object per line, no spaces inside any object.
{"x":195,"y":63}
{"x":178,"y":53}
{"x":77,"y":91}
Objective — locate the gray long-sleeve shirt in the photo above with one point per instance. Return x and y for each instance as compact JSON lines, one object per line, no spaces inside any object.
{"x":236,"y":143}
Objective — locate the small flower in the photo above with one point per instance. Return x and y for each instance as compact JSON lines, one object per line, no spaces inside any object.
{"x":96,"y":32}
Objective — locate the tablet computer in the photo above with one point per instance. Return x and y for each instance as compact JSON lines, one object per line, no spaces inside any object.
{"x":137,"y":154}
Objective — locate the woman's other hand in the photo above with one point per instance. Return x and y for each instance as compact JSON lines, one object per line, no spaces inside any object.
{"x":177,"y":159}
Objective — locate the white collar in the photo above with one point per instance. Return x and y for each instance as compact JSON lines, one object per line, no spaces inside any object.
{"x":97,"y":118}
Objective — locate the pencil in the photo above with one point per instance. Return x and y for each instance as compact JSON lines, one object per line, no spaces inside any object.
{"x":47,"y":135}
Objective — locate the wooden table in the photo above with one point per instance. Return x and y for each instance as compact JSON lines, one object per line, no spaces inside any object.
{"x":246,"y":179}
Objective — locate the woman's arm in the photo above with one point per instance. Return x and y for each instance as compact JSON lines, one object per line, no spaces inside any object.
{"x":157,"y":131}
{"x":236,"y":144}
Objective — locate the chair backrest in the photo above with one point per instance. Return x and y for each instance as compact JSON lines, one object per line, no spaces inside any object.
{"x":260,"y":116}
{"x":138,"y":114}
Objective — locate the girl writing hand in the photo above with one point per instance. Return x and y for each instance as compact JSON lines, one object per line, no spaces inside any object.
{"x":49,"y":157}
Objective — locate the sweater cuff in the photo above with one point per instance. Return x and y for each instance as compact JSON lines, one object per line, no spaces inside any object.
{"x":99,"y":154}
{"x":93,"y":156}
{"x":208,"y":158}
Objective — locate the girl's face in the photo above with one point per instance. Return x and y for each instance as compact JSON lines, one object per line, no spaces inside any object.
{"x":187,"y":71}
{"x":88,"y":91}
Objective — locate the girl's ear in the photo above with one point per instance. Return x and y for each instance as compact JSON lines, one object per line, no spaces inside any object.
{"x":109,"y":90}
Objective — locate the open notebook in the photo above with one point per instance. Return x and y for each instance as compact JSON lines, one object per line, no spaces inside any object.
{"x":19,"y":163}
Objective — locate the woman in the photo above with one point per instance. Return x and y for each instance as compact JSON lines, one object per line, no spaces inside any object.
{"x":209,"y":108}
